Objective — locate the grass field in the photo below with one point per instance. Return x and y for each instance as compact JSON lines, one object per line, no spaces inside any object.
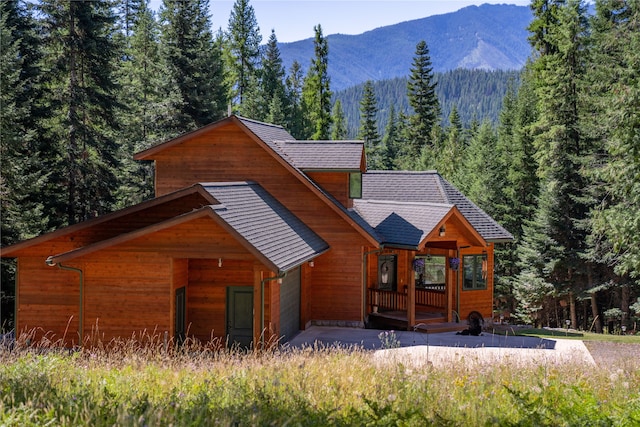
{"x":132,"y":385}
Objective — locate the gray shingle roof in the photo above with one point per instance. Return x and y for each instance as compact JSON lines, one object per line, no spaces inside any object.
{"x":265,"y":224}
{"x":401,"y":223}
{"x":430,"y":187}
{"x":324,"y":155}
{"x":308,"y":155}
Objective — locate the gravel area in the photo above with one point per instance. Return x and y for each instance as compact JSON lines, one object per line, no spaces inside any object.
{"x":612,"y":355}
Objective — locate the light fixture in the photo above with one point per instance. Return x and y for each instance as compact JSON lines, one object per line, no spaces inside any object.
{"x":219,"y":262}
{"x":442,"y":230}
{"x":312,"y":264}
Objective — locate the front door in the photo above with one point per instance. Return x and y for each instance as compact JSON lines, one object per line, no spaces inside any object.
{"x":240,"y":315}
{"x":181,"y":312}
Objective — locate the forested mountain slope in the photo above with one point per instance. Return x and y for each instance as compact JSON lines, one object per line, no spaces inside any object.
{"x":476,"y":94}
{"x":488,"y":37}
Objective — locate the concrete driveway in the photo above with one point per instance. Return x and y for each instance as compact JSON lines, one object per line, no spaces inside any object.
{"x":443,"y":348}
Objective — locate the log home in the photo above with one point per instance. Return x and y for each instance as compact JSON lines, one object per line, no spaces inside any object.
{"x":253,"y":235}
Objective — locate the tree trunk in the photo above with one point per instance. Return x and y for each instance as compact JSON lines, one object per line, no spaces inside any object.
{"x":625,"y":295}
{"x":594,"y":302}
{"x":572,"y":310}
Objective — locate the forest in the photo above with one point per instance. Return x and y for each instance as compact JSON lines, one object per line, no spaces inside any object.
{"x":85,"y":85}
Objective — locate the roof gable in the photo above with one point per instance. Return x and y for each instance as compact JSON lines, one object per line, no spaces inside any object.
{"x":251,"y":215}
{"x":409,"y":224}
{"x":122,"y":221}
{"x":430,"y":187}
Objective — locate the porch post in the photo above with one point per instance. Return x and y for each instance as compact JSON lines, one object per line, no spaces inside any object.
{"x":411,"y":297}
{"x":451,"y":283}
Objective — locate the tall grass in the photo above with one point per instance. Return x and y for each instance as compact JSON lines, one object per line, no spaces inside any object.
{"x":134,"y":385}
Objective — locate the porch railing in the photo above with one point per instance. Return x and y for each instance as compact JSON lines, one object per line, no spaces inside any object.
{"x":390,"y":300}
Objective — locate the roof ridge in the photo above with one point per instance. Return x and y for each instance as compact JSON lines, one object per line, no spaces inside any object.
{"x":258,"y":122}
{"x":393,"y":202}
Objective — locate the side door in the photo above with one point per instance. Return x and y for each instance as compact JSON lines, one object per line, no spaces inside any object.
{"x":240,"y":316}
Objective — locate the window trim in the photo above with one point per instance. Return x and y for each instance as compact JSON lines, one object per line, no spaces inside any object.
{"x":478,"y":260}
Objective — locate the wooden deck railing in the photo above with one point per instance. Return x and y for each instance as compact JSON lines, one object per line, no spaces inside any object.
{"x":390,"y":300}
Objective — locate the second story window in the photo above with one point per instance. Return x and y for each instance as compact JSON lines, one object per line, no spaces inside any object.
{"x":355,"y":185}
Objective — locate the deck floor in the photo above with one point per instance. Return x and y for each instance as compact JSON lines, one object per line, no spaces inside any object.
{"x":426,"y":321}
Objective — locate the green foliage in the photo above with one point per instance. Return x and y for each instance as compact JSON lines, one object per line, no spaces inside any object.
{"x":339,"y":125}
{"x":316,"y":93}
{"x":194,"y":81}
{"x":314,"y":387}
{"x":423,"y":100}
{"x":244,"y":46}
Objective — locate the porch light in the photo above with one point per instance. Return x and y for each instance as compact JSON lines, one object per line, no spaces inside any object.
{"x":442,"y":230}
{"x":312,"y":264}
{"x":219,"y":262}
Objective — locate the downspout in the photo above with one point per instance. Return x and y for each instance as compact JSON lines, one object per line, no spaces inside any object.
{"x":50,"y":263}
{"x":279,"y":276}
{"x":365,"y":257}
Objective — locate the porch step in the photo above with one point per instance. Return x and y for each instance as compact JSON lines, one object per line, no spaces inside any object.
{"x":427,"y":324}
{"x":434,"y":328}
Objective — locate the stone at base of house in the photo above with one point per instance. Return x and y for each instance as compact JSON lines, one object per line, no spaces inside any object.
{"x":340,"y":323}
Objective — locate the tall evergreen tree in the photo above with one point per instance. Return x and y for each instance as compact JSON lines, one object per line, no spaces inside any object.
{"x":448,"y":157}
{"x":140,"y":78}
{"x":316,"y":92}
{"x":273,"y":75}
{"x":422,"y":98}
{"x":82,"y":156}
{"x":369,"y":127}
{"x":392,"y":139}
{"x":560,"y":144}
{"x":195,"y":72}
{"x":339,"y":124}
{"x":22,"y":173}
{"x":295,"y":117}
{"x":244,"y":43}
{"x":614,"y":96}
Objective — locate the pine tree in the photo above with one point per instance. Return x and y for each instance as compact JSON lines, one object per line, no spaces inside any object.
{"x":82,"y":156}
{"x":140,"y":78}
{"x":613,"y":95}
{"x":273,"y":76}
{"x":423,"y":100}
{"x":369,"y":127}
{"x":295,"y":118}
{"x":559,"y":144}
{"x":339,"y":124}
{"x":244,"y":43}
{"x":22,"y":174}
{"x":392,"y":139}
{"x":448,"y":159}
{"x":316,"y":92}
{"x":193,"y":84}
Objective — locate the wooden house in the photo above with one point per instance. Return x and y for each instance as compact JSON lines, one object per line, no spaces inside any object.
{"x":254,"y":235}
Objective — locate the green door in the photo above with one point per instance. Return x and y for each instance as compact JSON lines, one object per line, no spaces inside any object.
{"x":240,"y":315}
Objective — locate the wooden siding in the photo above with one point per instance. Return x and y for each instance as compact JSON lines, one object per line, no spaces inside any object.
{"x":127,"y":295}
{"x":206,"y":294}
{"x":334,"y":183}
{"x":48,"y":302}
{"x":334,"y":290}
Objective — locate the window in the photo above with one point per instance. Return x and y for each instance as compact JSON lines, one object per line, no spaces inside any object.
{"x":387,"y":272}
{"x":355,"y":185}
{"x":429,"y":271}
{"x":475,"y":272}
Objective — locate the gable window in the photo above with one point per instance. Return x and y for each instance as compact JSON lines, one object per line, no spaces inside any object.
{"x":355,"y":185}
{"x":475,"y":272}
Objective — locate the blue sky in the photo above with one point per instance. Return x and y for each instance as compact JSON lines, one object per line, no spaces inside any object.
{"x":294,"y":20}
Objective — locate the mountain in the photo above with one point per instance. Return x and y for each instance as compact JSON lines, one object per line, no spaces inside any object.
{"x":488,"y":37}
